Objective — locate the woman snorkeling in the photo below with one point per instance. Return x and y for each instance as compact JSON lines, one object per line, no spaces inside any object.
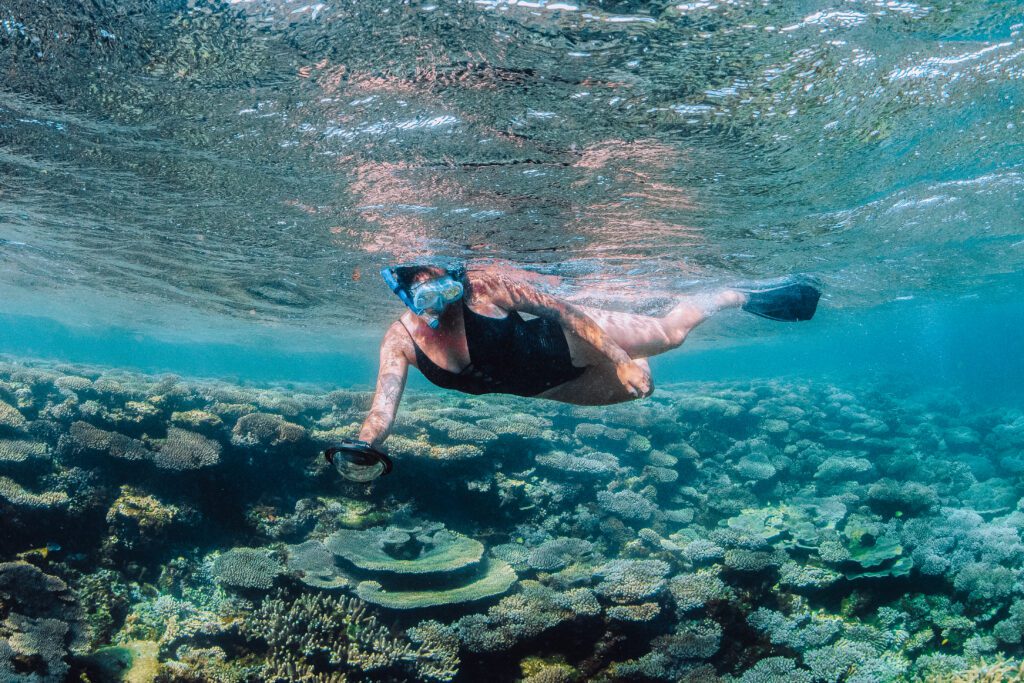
{"x":464,"y":331}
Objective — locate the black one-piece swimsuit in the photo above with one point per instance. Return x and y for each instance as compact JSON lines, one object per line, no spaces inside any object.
{"x":506,"y":356}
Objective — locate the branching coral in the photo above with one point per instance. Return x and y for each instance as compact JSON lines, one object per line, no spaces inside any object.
{"x":527,"y":614}
{"x":316,"y":637}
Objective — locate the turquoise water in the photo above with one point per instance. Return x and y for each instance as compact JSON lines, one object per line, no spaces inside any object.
{"x":195,"y":201}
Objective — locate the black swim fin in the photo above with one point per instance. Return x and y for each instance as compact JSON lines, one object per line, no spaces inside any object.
{"x":792,"y":299}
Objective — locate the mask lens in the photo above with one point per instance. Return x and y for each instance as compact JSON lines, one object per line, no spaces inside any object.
{"x":426,"y":297}
{"x":357,"y":472}
{"x":357,"y":462}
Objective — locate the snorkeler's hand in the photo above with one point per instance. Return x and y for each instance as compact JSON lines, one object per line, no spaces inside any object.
{"x":635,"y":377}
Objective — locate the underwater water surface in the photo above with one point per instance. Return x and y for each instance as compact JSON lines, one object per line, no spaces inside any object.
{"x":196,"y":198}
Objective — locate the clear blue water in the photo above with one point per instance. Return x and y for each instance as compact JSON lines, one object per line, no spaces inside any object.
{"x":209,"y":189}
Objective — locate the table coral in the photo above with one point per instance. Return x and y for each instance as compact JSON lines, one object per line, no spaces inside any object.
{"x":624,"y":581}
{"x":184,"y":450}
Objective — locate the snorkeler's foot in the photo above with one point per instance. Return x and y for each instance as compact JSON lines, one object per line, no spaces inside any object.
{"x":790,"y":299}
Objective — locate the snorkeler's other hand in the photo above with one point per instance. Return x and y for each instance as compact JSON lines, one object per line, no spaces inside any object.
{"x":635,"y":377}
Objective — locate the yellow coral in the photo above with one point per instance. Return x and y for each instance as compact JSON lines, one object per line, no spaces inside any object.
{"x":1000,"y":670}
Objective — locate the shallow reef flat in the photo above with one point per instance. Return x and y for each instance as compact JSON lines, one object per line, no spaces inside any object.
{"x":170,"y":529}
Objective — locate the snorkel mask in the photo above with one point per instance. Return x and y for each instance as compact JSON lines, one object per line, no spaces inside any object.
{"x":428,"y":299}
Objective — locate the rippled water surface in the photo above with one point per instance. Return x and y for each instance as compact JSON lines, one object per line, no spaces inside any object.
{"x":261,"y":160}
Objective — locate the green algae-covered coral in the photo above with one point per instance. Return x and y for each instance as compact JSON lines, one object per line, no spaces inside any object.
{"x":449,"y":562}
{"x":497,"y":578}
{"x":314,"y":565}
{"x":400,"y":551}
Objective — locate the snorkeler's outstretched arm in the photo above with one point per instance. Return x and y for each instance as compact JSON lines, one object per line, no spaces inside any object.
{"x":395,"y":352}
{"x":513,"y":294}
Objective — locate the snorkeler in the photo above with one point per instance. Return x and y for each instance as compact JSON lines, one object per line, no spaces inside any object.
{"x":464,"y":331}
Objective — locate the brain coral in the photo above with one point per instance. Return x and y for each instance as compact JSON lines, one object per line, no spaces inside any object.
{"x":246,"y":568}
{"x":185,"y":450}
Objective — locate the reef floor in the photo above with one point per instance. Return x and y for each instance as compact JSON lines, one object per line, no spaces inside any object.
{"x":170,"y":529}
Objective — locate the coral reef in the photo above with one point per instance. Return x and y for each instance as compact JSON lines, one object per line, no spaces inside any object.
{"x":246,"y":568}
{"x":743,"y":532}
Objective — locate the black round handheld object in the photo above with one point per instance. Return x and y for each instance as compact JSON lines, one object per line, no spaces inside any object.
{"x":358,"y":461}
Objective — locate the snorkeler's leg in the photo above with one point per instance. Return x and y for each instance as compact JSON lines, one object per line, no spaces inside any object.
{"x":643,"y":336}
{"x":599,"y":385}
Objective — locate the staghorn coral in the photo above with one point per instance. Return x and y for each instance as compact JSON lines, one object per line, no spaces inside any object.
{"x":462,"y":432}
{"x":41,"y":626}
{"x":801,"y":632}
{"x":184,"y":450}
{"x":775,"y":670}
{"x":246,"y":568}
{"x":672,"y":656}
{"x":645,"y":611}
{"x":516,"y":424}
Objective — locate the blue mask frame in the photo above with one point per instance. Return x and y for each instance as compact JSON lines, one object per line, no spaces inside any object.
{"x":457,"y":273}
